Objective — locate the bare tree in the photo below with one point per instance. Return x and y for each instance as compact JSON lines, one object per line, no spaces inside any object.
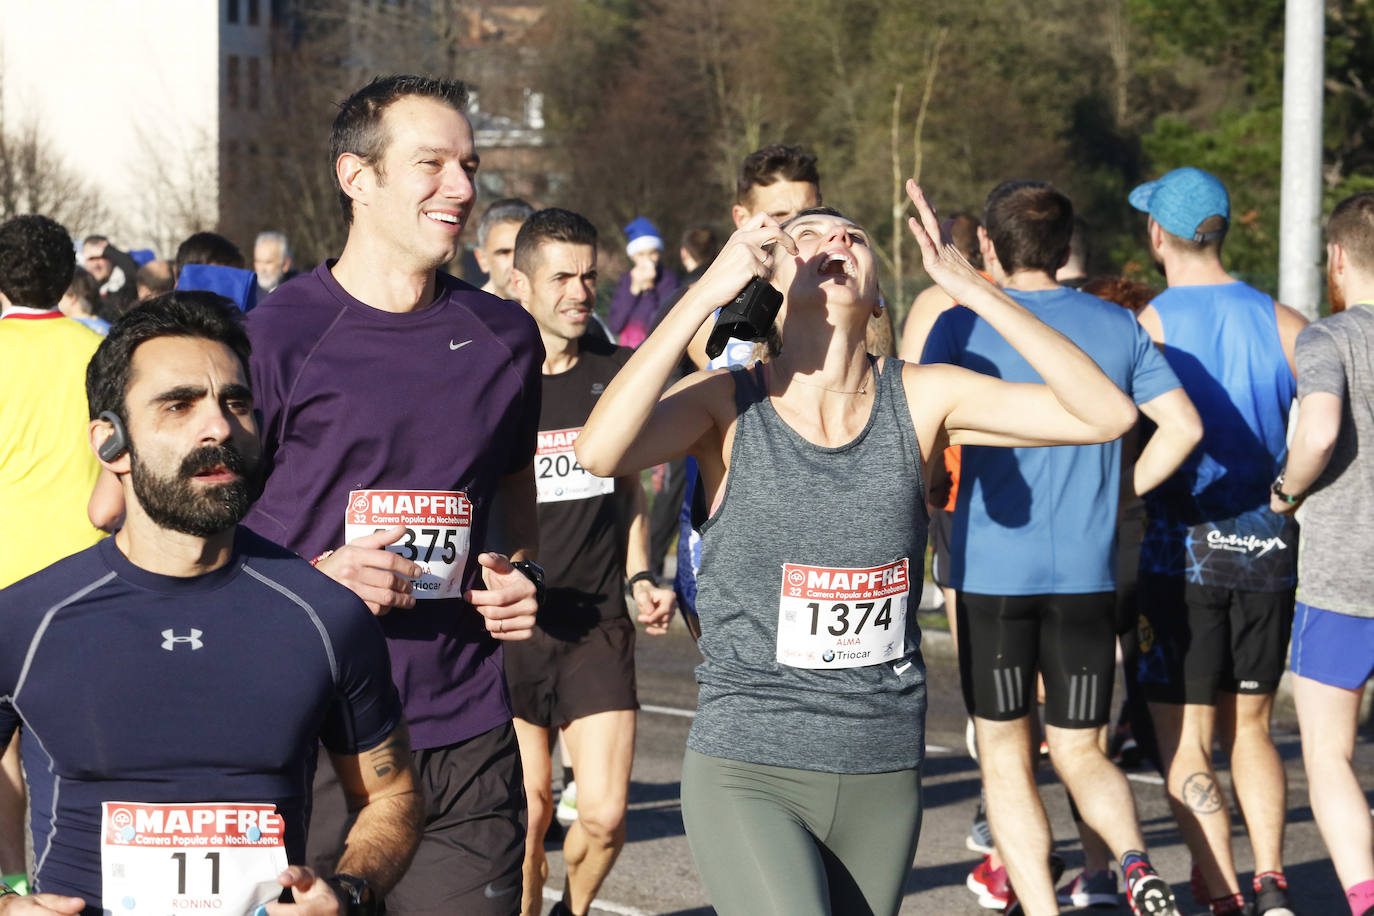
{"x":34,"y":179}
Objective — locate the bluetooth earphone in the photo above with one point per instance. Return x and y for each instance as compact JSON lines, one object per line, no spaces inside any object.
{"x":118,"y":443}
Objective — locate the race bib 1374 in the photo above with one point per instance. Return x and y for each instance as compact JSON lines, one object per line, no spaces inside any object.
{"x":832,"y":617}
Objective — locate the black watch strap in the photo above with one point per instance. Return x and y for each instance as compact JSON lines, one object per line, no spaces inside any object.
{"x":1277,"y":489}
{"x":644,"y":576}
{"x":357,"y":894}
{"x":535,"y":573}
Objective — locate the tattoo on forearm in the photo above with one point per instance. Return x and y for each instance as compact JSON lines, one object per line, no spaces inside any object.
{"x":389,"y":757}
{"x":1201,"y":794}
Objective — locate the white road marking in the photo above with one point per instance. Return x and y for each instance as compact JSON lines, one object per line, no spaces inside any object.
{"x":1148,"y":778}
{"x":550,"y":894}
{"x":938,"y":749}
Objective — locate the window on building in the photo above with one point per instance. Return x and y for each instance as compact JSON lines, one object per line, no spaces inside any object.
{"x":230,"y":166}
{"x":253,"y":12}
{"x":231,"y":10}
{"x":231,"y":81}
{"x":254,"y":84}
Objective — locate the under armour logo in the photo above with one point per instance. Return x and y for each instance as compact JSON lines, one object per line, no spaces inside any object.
{"x":170,"y":639}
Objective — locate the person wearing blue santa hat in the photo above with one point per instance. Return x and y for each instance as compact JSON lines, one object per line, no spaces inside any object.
{"x":644,"y":287}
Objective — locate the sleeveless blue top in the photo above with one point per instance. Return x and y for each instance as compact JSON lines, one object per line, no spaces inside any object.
{"x":1211,"y":521}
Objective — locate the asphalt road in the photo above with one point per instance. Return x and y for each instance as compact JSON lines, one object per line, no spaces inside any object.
{"x":655,"y":874}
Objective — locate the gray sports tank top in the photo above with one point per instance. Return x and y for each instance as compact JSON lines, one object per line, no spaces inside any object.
{"x":811,"y":557}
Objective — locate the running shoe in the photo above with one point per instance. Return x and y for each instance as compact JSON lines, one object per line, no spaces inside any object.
{"x":1013,"y":907}
{"x":990,"y":885}
{"x":979,"y":837}
{"x":1148,"y":893}
{"x":1097,"y":889}
{"x":566,"y":812}
{"x":1124,"y":751}
{"x":1271,"y":896}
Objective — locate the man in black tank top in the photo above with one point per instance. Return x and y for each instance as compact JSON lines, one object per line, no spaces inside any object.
{"x":576,"y":673}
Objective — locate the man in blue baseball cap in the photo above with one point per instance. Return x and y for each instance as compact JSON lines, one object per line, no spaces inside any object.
{"x":1218,"y":567}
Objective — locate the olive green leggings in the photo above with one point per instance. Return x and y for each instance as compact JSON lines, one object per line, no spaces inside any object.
{"x":774,"y":840}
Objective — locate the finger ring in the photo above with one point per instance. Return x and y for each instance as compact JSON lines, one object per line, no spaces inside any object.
{"x":500,"y":626}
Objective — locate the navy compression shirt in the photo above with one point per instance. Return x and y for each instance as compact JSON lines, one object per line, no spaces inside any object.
{"x":132,"y":686}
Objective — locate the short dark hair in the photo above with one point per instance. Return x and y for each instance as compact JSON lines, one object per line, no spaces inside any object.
{"x":702,"y":243}
{"x":94,"y":239}
{"x":505,"y":210}
{"x":358,"y":125}
{"x":773,"y":163}
{"x":1352,"y":227}
{"x":962,"y":229}
{"x":182,"y":313}
{"x":1029,"y":224}
{"x":36,"y":261}
{"x":550,"y":225}
{"x":208,"y":248}
{"x":85,"y":290}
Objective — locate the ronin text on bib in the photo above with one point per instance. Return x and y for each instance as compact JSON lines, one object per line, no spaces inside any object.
{"x":837,"y":617}
{"x":558,"y":476}
{"x":221,"y":857}
{"x":438,"y":532}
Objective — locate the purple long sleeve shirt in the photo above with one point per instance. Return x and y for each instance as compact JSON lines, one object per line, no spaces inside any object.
{"x":631,"y":316}
{"x":355,"y":398}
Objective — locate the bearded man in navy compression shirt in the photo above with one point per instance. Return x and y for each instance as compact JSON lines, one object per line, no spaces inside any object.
{"x":171,"y":684}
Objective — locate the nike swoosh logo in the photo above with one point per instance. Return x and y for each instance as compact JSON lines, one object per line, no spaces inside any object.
{"x":899,"y":668}
{"x":492,"y":893}
{"x":458,"y":346}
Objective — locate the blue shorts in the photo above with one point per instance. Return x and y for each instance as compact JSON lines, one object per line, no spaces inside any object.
{"x":1335,"y":649}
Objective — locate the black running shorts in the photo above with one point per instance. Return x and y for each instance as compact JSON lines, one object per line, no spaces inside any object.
{"x":1070,"y":639}
{"x":1198,"y":640}
{"x":557,"y":677}
{"x":473,"y":847}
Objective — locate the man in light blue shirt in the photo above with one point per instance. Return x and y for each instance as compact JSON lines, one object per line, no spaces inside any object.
{"x":1032,"y":549}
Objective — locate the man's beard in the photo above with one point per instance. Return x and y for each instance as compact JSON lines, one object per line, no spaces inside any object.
{"x":180,"y":505}
{"x":1334,"y":296}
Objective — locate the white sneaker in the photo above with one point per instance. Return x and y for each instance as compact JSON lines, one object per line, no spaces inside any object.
{"x":566,"y":812}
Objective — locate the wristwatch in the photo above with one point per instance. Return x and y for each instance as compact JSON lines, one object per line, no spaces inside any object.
{"x":1277,"y":489}
{"x":535,"y":573}
{"x":358,"y":898}
{"x":644,"y":576}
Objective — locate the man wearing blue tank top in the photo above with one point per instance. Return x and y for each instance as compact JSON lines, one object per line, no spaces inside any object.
{"x":1218,"y":567}
{"x":171,"y":684}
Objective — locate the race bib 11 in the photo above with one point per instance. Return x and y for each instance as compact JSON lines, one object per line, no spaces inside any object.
{"x":438,"y":532}
{"x":842,"y":617}
{"x":558,"y":476}
{"x":221,"y":857}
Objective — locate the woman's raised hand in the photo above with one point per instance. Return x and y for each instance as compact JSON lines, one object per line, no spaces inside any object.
{"x":946,"y":265}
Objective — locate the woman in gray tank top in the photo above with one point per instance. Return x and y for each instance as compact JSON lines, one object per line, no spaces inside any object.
{"x":801,"y":784}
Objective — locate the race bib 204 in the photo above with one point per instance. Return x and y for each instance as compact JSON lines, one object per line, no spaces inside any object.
{"x":221,"y":857}
{"x":558,"y":476}
{"x":438,"y":532}
{"x":842,"y":617}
